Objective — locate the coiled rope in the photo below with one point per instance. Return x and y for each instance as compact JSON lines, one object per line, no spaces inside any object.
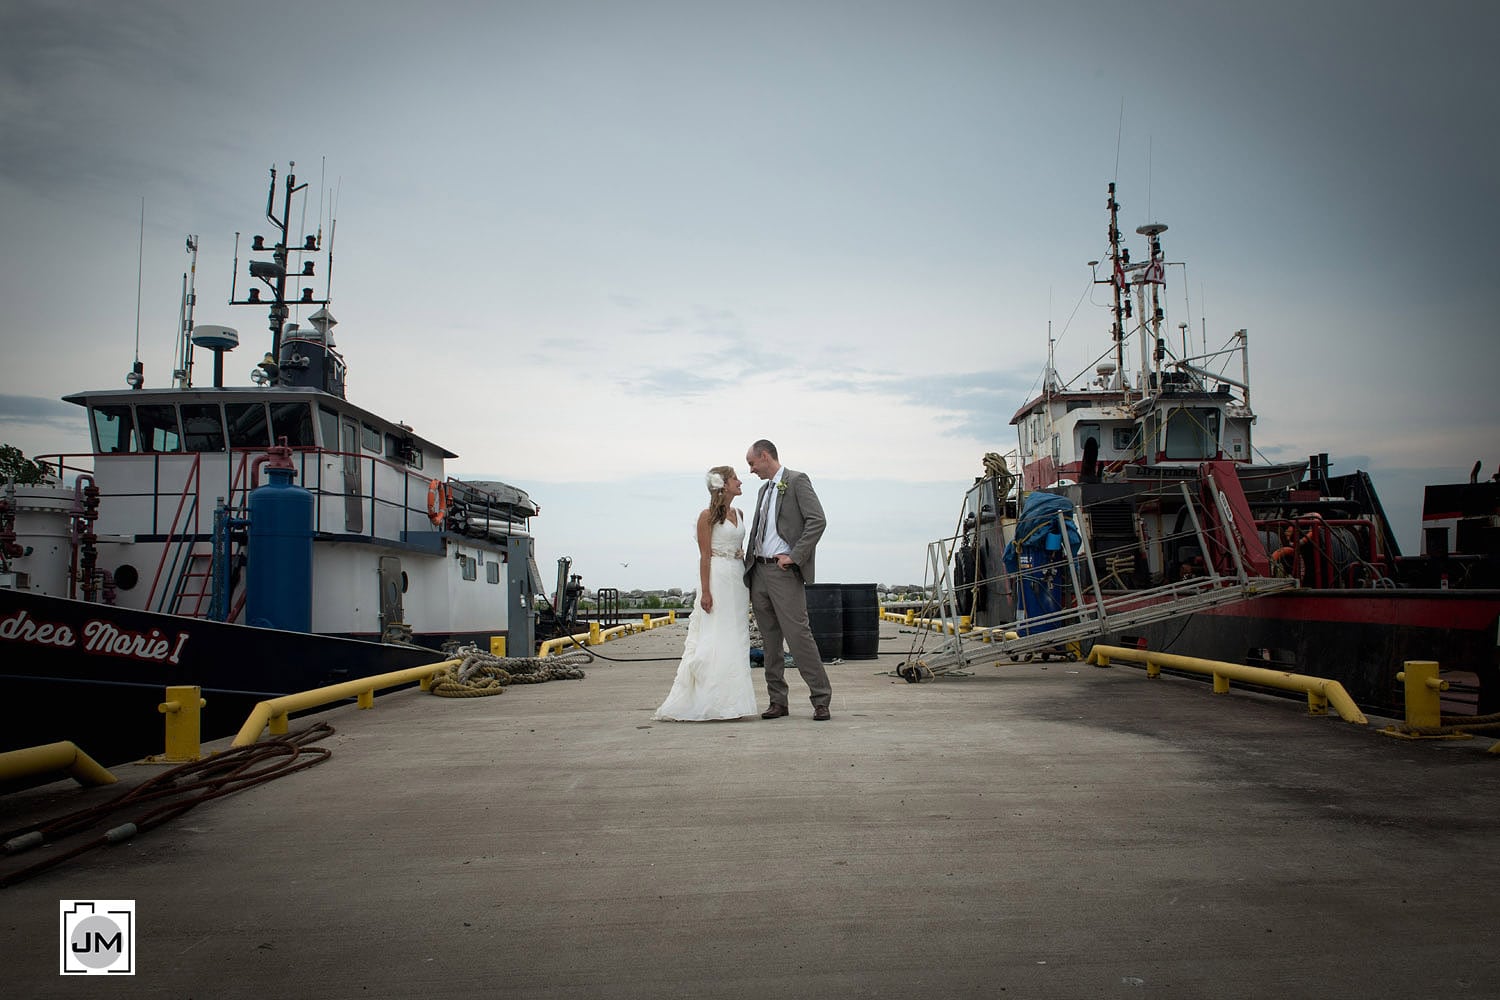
{"x":481,"y":674}
{"x":1453,"y":725}
{"x":170,"y":794}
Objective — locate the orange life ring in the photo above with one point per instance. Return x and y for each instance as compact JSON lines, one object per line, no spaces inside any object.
{"x":437,"y":502}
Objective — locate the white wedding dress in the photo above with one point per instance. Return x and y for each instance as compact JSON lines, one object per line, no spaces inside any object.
{"x":713,"y":677}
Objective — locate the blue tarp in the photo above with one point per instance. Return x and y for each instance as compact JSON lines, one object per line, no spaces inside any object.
{"x":1037,"y":552}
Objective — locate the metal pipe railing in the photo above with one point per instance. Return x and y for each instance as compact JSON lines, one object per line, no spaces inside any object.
{"x":273,"y":712}
{"x":1321,"y":692}
{"x":51,"y":757}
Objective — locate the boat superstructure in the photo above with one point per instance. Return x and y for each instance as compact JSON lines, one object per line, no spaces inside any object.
{"x":1159,"y":423}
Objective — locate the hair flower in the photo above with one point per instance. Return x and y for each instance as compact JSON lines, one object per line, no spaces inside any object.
{"x":715,"y":481}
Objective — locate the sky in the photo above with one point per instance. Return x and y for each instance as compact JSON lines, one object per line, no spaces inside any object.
{"x":596,"y":248}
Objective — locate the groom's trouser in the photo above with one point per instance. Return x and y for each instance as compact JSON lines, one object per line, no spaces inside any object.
{"x":780,"y":604}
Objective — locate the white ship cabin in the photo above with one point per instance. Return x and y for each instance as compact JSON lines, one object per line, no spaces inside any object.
{"x":1106,"y":431}
{"x":164,"y":459}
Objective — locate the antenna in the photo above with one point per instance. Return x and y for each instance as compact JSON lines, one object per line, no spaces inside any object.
{"x":137,"y":376}
{"x":1119,"y":137}
{"x":182,"y":374}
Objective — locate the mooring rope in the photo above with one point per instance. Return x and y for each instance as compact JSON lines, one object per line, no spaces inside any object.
{"x":481,"y":674}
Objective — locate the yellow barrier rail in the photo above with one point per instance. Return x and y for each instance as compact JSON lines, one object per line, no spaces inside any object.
{"x":554,"y":646}
{"x":596,"y":635}
{"x":50,"y":757}
{"x":1321,"y":692}
{"x":930,"y":624}
{"x":273,"y":712}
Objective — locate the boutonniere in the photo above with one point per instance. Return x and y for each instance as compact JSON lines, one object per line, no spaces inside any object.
{"x":781,"y":488}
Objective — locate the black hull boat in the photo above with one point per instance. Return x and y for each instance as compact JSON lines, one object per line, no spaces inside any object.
{"x":252,"y":540}
{"x":94,"y":674}
{"x":1185,"y":541}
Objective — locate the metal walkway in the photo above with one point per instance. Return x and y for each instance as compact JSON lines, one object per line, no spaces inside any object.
{"x":1094,"y":612}
{"x":1116,"y":613}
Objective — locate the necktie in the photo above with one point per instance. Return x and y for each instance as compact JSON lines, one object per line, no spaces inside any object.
{"x":763,"y":518}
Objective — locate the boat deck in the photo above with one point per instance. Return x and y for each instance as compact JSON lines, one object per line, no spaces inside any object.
{"x":1031,"y":830}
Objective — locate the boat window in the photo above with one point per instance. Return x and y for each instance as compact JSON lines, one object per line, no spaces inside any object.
{"x":1086,"y":431}
{"x":114,"y":430}
{"x":470,"y":567}
{"x":369,"y":438}
{"x":159,"y":430}
{"x":1078,"y":404}
{"x":292,"y":421}
{"x":247,"y":425}
{"x":1127,"y":439}
{"x":328,"y":425}
{"x":403,"y":450}
{"x":1192,"y":433}
{"x":202,"y":427}
{"x":492,"y":572}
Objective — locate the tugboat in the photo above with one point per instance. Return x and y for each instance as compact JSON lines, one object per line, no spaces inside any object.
{"x":251,"y":540}
{"x":1171,"y":511}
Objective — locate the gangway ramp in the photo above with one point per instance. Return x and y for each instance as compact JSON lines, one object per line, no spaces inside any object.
{"x":1114,"y":613}
{"x":1222,"y":527}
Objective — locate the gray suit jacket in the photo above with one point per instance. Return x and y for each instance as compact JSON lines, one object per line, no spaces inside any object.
{"x":799,"y":520}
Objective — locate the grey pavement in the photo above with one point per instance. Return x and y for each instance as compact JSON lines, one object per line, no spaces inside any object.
{"x":1031,"y":830}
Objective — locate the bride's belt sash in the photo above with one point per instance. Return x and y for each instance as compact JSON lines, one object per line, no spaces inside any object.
{"x":728,"y":553}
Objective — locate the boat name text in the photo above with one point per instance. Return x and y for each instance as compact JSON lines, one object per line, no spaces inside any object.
{"x":99,"y":636}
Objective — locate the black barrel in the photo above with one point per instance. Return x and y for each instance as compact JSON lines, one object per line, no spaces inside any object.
{"x":861,"y":621}
{"x":825,"y":616}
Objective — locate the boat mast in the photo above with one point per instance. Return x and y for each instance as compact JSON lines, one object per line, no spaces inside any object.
{"x":182,"y":373}
{"x":273,"y":272}
{"x":1156,"y":277}
{"x":1119,"y":258}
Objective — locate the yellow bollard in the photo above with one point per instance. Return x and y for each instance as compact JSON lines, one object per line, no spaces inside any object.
{"x":594,"y":637}
{"x":183,"y":709}
{"x":1424,"y":706}
{"x":911,"y":615}
{"x":646,"y":622}
{"x":672,"y":617}
{"x":497,"y":645}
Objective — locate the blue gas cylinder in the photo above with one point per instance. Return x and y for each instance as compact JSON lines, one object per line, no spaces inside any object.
{"x":278,"y":571}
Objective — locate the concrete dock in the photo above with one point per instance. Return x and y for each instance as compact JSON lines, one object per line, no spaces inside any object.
{"x":1030,"y":830}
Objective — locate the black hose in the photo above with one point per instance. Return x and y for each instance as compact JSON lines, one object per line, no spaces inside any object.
{"x":169,"y":795}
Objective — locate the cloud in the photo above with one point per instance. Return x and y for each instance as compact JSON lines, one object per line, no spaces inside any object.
{"x":39,"y":410}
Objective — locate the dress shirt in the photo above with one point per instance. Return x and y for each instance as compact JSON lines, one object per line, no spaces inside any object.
{"x":771,"y":543}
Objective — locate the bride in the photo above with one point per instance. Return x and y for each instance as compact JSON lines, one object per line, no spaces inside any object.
{"x":713,"y":678}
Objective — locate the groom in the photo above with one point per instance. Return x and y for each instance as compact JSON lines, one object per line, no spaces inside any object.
{"x":778,"y":564}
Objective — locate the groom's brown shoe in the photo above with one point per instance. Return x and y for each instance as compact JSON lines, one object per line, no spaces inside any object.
{"x":775,"y":712}
{"x":821,"y":714}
